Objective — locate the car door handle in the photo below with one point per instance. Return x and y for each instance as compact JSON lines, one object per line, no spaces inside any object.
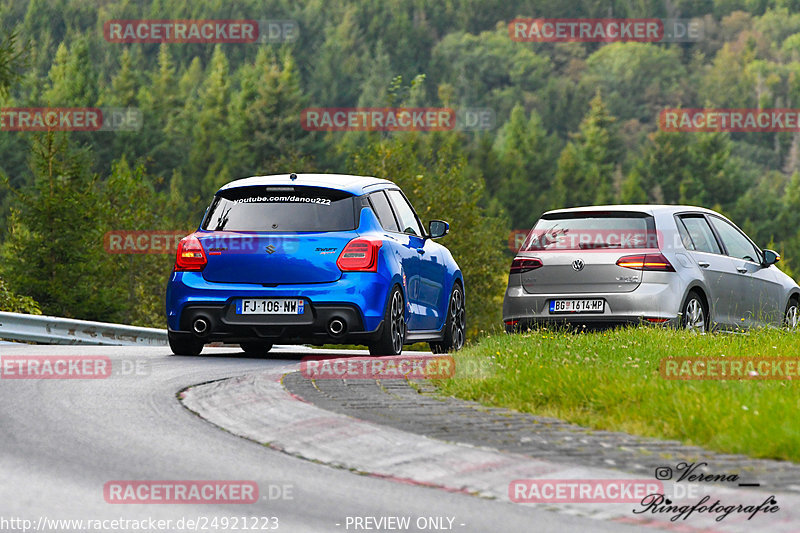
{"x":421,"y":251}
{"x":703,"y":264}
{"x":741,"y":270}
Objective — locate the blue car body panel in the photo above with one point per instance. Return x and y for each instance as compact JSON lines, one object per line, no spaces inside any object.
{"x":304,"y":265}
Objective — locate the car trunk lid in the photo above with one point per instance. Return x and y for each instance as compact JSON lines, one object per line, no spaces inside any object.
{"x":579,"y":251}
{"x":273,"y":258}
{"x":569,"y":273}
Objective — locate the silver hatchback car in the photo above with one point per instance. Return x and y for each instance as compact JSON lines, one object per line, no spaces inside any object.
{"x":676,"y":265}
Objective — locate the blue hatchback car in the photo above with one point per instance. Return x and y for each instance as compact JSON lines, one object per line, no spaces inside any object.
{"x":314,"y":259}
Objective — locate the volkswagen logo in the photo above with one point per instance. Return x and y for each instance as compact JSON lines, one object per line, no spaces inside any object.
{"x":577,"y":265}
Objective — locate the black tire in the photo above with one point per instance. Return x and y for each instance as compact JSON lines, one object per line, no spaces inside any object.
{"x":184,"y":344}
{"x":694,"y":314}
{"x":256,"y":348}
{"x":791,"y":317}
{"x":455,"y":328}
{"x":393,"y":332}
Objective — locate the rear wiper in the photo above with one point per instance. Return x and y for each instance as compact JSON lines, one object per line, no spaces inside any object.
{"x":547,"y":238}
{"x":223,"y":220}
{"x":590,"y":245}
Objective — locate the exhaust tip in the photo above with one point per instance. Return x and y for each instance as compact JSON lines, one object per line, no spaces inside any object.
{"x":336,"y":327}
{"x":200,"y":326}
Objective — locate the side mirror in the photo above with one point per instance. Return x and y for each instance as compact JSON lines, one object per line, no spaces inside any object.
{"x":771,"y":257}
{"x":438,"y":228}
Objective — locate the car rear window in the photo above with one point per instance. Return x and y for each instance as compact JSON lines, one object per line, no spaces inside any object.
{"x":592,"y":230}
{"x":284,"y":208}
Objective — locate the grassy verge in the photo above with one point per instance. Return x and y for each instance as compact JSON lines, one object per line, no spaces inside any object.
{"x":610,"y":380}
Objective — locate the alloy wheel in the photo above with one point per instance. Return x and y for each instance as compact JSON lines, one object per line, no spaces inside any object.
{"x":458,"y":319}
{"x":792,"y":315}
{"x":695,"y":319}
{"x":398,"y":323}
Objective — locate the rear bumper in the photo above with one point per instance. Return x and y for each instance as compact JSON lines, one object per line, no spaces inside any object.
{"x":357,"y":298}
{"x":660,"y":301}
{"x":226,"y":326}
{"x":522,"y":324}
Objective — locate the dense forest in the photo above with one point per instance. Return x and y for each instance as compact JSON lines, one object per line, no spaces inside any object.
{"x":574,"y":124}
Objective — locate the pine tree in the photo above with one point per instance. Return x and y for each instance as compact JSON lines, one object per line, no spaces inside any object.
{"x":586,"y":167}
{"x":166,"y":142}
{"x":632,"y":191}
{"x":210,"y":150}
{"x":691,"y":168}
{"x":339,"y":64}
{"x":265,"y":118}
{"x":12,"y":61}
{"x":527,"y":167}
{"x":73,"y":79}
{"x":664,"y":164}
{"x":719,"y":172}
{"x":379,"y":74}
{"x":124,"y":84}
{"x":54,"y":248}
{"x":121,"y":95}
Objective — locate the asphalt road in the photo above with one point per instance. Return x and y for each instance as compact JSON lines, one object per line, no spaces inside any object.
{"x":63,"y":439}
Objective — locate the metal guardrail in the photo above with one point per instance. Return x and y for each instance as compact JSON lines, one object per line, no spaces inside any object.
{"x":57,"y":330}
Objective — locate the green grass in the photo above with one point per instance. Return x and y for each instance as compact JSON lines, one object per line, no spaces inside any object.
{"x":610,"y":380}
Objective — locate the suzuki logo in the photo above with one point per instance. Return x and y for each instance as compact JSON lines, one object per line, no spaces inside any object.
{"x":270,"y":249}
{"x":577,"y":265}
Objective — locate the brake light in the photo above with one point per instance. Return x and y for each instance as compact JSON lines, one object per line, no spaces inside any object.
{"x":360,"y":255}
{"x":524,"y":264}
{"x":649,"y":262}
{"x":190,"y":256}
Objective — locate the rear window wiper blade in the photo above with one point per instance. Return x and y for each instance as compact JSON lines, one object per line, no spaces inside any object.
{"x":589,"y":246}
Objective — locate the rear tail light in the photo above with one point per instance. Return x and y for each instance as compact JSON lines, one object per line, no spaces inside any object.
{"x":649,"y":262}
{"x":525,"y":264}
{"x":360,"y":255}
{"x":191,"y":256}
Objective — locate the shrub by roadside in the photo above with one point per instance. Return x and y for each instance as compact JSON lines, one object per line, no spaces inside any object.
{"x":14,"y":303}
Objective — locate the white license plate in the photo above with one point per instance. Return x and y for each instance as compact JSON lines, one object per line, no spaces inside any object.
{"x":577,"y":306}
{"x":269,"y":306}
